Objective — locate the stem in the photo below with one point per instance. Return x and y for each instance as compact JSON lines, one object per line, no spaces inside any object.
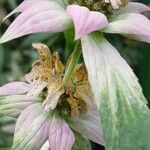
{"x":72,"y":63}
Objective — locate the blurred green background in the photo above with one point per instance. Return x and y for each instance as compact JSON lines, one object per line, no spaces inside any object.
{"x":17,"y":56}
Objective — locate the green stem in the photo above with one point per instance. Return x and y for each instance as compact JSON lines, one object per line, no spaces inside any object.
{"x":73,"y":62}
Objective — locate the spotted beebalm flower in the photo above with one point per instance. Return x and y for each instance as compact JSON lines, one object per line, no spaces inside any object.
{"x":118,"y":95}
{"x":48,"y":110}
{"x":57,"y":16}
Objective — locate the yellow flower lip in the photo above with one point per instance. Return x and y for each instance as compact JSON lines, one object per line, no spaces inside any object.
{"x":48,"y":72}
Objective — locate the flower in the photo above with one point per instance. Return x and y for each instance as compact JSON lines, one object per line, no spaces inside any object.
{"x":118,"y":95}
{"x":54,"y":16}
{"x":47,"y":110}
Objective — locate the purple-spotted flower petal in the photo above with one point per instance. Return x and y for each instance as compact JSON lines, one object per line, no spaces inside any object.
{"x":86,"y":21}
{"x":31,"y":128}
{"x":60,"y":135}
{"x":132,"y":25}
{"x":14,"y":88}
{"x":134,"y":7}
{"x":45,"y":16}
{"x":89,"y":126}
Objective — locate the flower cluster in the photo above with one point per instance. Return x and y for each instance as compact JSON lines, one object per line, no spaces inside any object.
{"x":47,"y":108}
{"x":57,"y":16}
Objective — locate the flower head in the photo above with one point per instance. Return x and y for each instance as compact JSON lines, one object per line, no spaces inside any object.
{"x":47,"y":109}
{"x":57,"y":16}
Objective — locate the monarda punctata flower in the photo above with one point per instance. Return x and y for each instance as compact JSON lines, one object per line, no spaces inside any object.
{"x":49,"y":111}
{"x":86,"y":16}
{"x":117,"y":93}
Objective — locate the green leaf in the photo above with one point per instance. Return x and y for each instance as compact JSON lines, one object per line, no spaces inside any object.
{"x":123,"y":108}
{"x":127,"y":125}
{"x":81,"y":143}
